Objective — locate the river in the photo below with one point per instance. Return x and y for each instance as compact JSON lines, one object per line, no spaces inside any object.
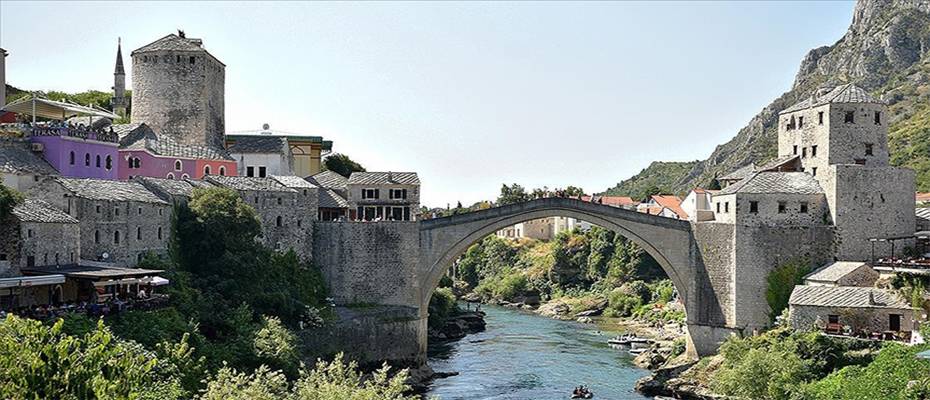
{"x":528,"y":357}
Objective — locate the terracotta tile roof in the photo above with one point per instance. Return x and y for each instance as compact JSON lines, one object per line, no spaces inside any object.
{"x":847,"y":93}
{"x":923,"y":197}
{"x":845,"y":297}
{"x":329,"y":180}
{"x":384,"y":178}
{"x":101,"y":189}
{"x":35,"y":210}
{"x":776,"y":182}
{"x":835,"y":271}
{"x":673,"y":203}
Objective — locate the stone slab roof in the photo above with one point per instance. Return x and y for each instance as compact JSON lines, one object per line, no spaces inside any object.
{"x":101,"y":189}
{"x":847,"y":93}
{"x":835,"y":271}
{"x":384,"y":178}
{"x":249,"y":183}
{"x":292,"y":181}
{"x":329,"y":180}
{"x":35,"y":210}
{"x":923,"y":213}
{"x":845,"y":297}
{"x":741,"y":173}
{"x":330,"y":199}
{"x":170,"y":186}
{"x":258,"y":144}
{"x":778,"y":163}
{"x":171,"y":42}
{"x":122,"y":130}
{"x":141,"y":137}
{"x":17,"y":157}
{"x":776,"y":182}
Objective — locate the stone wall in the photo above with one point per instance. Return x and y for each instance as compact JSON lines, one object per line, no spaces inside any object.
{"x":369,"y":262}
{"x":179,"y":98}
{"x":369,"y":335}
{"x":715,"y":242}
{"x":870,"y":319}
{"x":286,"y":217}
{"x":758,"y":250}
{"x":9,"y":246}
{"x":740,"y":206}
{"x":50,"y":243}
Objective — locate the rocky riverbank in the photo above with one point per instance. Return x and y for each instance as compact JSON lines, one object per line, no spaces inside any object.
{"x":457,"y":326}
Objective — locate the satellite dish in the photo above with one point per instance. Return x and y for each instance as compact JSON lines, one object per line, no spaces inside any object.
{"x":105,"y":255}
{"x":266,"y":126}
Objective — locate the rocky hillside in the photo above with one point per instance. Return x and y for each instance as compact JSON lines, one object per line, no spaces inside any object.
{"x":886,"y":51}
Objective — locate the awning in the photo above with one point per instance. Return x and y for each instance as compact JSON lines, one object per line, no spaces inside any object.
{"x":924,"y":354}
{"x":92,"y":270}
{"x":45,"y":108}
{"x":27,"y":281}
{"x":154,"y":281}
{"x":127,"y":281}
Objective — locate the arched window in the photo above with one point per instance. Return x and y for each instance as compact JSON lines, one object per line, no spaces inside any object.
{"x":170,"y":175}
{"x":185,"y":176}
{"x":130,"y":162}
{"x":97,"y":237}
{"x":109,"y":163}
{"x":71,"y":158}
{"x":277,"y":221}
{"x":206,"y":170}
{"x":98,"y":160}
{"x":177,"y":165}
{"x":116,"y":237}
{"x":222,"y":171}
{"x":86,"y":159}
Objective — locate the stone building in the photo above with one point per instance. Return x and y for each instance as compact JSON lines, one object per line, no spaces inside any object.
{"x":268,"y":152}
{"x":178,"y":90}
{"x":78,"y":153}
{"x":143,"y":152}
{"x":861,"y":309}
{"x":698,"y":204}
{"x":840,"y":137}
{"x":539,"y":229}
{"x":385,"y":196}
{"x":663,"y":205}
{"x":173,"y":191}
{"x":843,"y":273}
{"x":286,"y":213}
{"x":120,"y":221}
{"x":332,"y":189}
{"x":34,"y":234}
{"x":772,"y":198}
{"x":20,"y":167}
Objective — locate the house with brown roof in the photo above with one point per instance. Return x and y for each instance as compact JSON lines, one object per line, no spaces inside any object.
{"x":697,"y":204}
{"x":664,"y":205}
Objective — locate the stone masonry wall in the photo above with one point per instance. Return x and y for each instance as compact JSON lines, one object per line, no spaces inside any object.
{"x":142,"y":228}
{"x":758,"y":250}
{"x":50,"y":243}
{"x":869,"y":319}
{"x":369,"y":263}
{"x":9,"y":246}
{"x":369,"y":335}
{"x":715,"y":243}
{"x":296,"y":210}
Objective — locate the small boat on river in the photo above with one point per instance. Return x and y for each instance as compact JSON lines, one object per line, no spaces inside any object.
{"x":582,"y":393}
{"x":621,"y":340}
{"x":640,"y":343}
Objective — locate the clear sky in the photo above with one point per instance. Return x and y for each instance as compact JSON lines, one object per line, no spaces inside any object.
{"x":469,"y":95}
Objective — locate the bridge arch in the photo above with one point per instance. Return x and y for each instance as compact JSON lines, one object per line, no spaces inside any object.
{"x":668,"y":241}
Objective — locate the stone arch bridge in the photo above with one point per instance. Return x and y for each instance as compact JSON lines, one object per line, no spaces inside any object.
{"x":400,"y":264}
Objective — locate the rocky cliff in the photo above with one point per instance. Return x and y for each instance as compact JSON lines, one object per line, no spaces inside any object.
{"x":886,"y":51}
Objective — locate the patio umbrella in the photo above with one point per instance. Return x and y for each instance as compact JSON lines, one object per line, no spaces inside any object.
{"x":924,"y":354}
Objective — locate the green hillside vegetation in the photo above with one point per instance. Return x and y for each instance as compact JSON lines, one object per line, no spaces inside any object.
{"x":658,"y":177}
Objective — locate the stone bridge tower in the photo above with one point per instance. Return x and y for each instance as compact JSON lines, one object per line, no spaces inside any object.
{"x":178,"y":90}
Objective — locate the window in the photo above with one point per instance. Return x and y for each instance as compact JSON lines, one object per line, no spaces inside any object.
{"x":726,"y":207}
{"x":279,"y":201}
{"x":833,"y":319}
{"x":222,"y":171}
{"x":398,"y":193}
{"x":850,"y":117}
{"x":116,"y":237}
{"x":820,"y":118}
{"x":140,"y":210}
{"x":137,"y":162}
{"x":782,"y":207}
{"x":804,"y":152}
{"x":159,"y":233}
{"x":718,"y":208}
{"x":814,"y":151}
{"x":860,"y":161}
{"x":3,"y":257}
{"x":795,"y":149}
{"x":790,"y":123}
{"x":261,"y":172}
{"x":159,"y":212}
{"x":98,"y":160}
{"x":754,"y":207}
{"x":178,"y":59}
{"x":277,"y":221}
{"x":299,"y":223}
{"x":29,"y":233}
{"x":249,"y":171}
{"x":97,"y":237}
{"x":191,"y":59}
{"x":868,"y":149}
{"x":170,"y":175}
{"x":109,"y":163}
{"x":116,"y":210}
{"x":185,"y":176}
{"x":138,"y":233}
{"x":97,"y":207}
{"x":370,"y":194}
{"x":894,"y":322}
{"x":71,"y":158}
{"x":177,"y":165}
{"x":800,"y":122}
{"x":814,"y":171}
{"x":878,"y":118}
{"x":86,"y":159}
{"x":206,"y":170}
{"x":804,"y":207}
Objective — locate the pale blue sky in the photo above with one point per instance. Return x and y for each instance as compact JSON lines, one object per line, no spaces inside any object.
{"x":470,"y":95}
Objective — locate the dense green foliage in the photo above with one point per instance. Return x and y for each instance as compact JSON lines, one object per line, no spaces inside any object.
{"x":781,"y":282}
{"x":9,"y":199}
{"x":658,"y":177}
{"x":896,"y":373}
{"x":442,"y":305}
{"x":512,"y":194}
{"x":341,"y":164}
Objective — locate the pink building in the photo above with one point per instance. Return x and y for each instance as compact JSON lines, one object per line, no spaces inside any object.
{"x":142,"y":152}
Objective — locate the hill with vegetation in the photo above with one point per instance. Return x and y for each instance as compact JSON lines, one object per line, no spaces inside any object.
{"x":885,"y":51}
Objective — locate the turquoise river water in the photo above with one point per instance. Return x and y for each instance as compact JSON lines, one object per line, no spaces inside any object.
{"x":528,"y":357}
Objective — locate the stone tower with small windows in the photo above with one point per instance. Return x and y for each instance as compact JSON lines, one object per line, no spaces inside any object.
{"x":119,"y":82}
{"x":178,"y":90}
{"x":840,"y":136}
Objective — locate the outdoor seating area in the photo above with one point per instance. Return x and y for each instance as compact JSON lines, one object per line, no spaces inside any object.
{"x":109,"y":307}
{"x":840,"y":330}
{"x":59,"y":128}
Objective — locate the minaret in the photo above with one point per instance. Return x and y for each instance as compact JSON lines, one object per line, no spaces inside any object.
{"x":119,"y":82}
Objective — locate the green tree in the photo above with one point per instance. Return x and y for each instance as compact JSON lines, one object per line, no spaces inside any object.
{"x":512,"y":194}
{"x":781,"y":282}
{"x":9,"y":199}
{"x":341,"y":164}
{"x":276,"y":345}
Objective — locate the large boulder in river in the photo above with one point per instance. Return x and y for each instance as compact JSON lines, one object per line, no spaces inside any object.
{"x":554,"y":309}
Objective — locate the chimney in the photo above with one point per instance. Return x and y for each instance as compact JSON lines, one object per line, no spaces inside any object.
{"x":872,"y":298}
{"x":390,"y":177}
